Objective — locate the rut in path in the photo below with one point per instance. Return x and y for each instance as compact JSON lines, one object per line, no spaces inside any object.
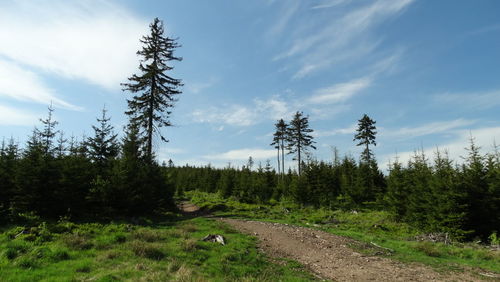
{"x":329,"y":256}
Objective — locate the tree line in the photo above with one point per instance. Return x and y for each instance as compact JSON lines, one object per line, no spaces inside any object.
{"x":101,"y":175}
{"x":104,"y":175}
{"x":435,"y":195}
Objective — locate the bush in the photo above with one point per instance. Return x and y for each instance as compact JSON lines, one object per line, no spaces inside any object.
{"x":494,"y":239}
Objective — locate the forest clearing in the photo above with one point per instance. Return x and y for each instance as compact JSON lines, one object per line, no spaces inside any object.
{"x":257,"y":140}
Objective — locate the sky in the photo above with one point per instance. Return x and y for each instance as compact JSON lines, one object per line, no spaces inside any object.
{"x":428,"y":72}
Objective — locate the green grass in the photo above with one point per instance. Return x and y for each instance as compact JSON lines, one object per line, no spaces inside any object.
{"x":363,"y":225}
{"x":157,"y":251}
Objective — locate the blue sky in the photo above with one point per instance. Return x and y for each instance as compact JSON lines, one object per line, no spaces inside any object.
{"x":427,"y":71}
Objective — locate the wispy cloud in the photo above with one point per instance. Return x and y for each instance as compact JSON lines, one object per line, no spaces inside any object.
{"x":25,"y":85}
{"x":198,"y":87}
{"x":235,"y":115}
{"x":290,"y":8}
{"x":339,"y":92}
{"x":483,"y":30}
{"x":17,"y":117}
{"x":90,"y":40}
{"x":330,"y":4}
{"x":457,"y":149}
{"x":243,"y":154}
{"x":438,"y":127}
{"x":338,"y":131}
{"x":336,"y":39}
{"x":471,"y":100}
{"x":243,"y":115}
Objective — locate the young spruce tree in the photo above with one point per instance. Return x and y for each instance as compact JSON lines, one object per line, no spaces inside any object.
{"x":103,"y":146}
{"x":156,"y":90}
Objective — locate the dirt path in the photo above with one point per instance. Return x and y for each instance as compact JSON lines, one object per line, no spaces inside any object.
{"x":330,"y":257}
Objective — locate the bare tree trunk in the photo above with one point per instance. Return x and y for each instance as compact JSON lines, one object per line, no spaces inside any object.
{"x":283,"y":158}
{"x":279,"y":165}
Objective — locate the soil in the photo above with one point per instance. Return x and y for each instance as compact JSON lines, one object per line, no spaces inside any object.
{"x":332,"y":257}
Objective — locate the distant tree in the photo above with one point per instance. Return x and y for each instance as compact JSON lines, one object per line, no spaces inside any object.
{"x":9,"y":158}
{"x":103,"y":146}
{"x":48,"y":132}
{"x":156,"y":90}
{"x":61,"y":145}
{"x":299,"y":138}
{"x":366,"y":136}
{"x":250,"y":163}
{"x":474,"y":181}
{"x":279,"y":139}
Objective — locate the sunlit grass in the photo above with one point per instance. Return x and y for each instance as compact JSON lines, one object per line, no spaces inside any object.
{"x":166,"y":251}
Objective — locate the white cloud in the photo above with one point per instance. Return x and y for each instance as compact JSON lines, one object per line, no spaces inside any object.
{"x":243,"y":154}
{"x":24,"y":85}
{"x":427,"y":129}
{"x":288,"y":12}
{"x":273,"y":108}
{"x":91,"y":40}
{"x":339,"y":92}
{"x":337,"y":39}
{"x":330,"y":4}
{"x":472,"y":100}
{"x":169,"y":150}
{"x":483,"y":137}
{"x":13,"y":116}
{"x":339,"y":131}
{"x":197,"y":87}
{"x":239,"y":115}
{"x":235,"y":115}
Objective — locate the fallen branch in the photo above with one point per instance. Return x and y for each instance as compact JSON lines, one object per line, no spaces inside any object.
{"x":21,"y":233}
{"x":378,"y":246}
{"x":489,"y":275}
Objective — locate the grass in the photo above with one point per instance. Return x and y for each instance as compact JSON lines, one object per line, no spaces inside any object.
{"x":163,"y":250}
{"x":363,"y":225}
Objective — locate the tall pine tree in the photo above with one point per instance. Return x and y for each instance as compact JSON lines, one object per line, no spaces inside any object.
{"x":299,"y":138}
{"x":366,"y":136}
{"x":279,"y":138}
{"x":155,"y":91}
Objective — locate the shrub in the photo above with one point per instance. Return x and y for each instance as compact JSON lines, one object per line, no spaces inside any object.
{"x":494,"y":239}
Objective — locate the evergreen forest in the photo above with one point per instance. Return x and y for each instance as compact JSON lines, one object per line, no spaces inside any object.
{"x":105,"y":175}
